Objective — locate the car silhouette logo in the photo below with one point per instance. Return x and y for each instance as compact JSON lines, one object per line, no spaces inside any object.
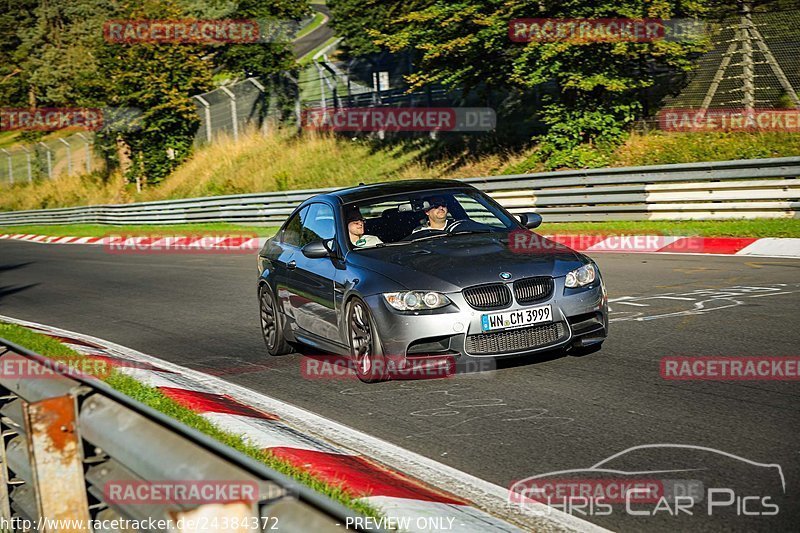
{"x":505,"y":275}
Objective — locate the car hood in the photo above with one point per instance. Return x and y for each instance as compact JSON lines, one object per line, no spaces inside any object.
{"x":448,"y":264}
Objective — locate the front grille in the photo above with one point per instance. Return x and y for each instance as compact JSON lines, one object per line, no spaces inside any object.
{"x":531,"y":290}
{"x":485,"y":297}
{"x":514,"y":340}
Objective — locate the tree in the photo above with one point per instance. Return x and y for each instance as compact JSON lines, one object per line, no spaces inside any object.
{"x":465,"y":44}
{"x":263,"y":59}
{"x":153,"y":83}
{"x":359,"y":21}
{"x":16,"y":18}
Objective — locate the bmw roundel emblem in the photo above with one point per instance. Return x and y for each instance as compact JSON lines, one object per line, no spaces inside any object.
{"x":505,"y":275}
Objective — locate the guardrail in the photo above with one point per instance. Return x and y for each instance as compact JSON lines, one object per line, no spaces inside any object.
{"x":67,"y":438}
{"x":754,"y":188}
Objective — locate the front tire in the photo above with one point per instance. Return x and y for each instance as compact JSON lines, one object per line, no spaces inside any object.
{"x":271,"y":327}
{"x":365,"y":345}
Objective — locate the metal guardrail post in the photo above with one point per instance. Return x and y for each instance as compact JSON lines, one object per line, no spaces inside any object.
{"x":28,"y":160}
{"x":69,"y":156}
{"x":54,"y":450}
{"x":234,"y":112}
{"x":49,"y":422}
{"x":10,"y":167}
{"x":55,"y":453}
{"x":262,"y":90}
{"x":88,"y":147}
{"x":206,"y":114}
{"x":49,"y":160}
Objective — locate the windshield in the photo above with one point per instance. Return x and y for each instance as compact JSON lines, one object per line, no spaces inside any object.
{"x":426,"y":214}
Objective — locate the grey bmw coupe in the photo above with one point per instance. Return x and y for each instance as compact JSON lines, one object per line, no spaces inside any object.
{"x":423,"y":273}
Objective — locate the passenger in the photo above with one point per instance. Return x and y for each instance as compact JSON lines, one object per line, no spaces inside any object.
{"x":355,"y":227}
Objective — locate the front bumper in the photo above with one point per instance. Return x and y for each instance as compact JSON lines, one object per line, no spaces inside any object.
{"x":580,"y":318}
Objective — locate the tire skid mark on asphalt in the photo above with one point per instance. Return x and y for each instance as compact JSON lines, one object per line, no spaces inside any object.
{"x":703,"y":301}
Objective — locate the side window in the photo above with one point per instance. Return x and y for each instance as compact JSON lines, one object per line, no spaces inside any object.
{"x":292,"y":230}
{"x":318,"y":224}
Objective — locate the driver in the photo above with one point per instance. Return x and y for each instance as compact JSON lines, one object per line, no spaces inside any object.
{"x":436,"y":211}
{"x":355,"y":227}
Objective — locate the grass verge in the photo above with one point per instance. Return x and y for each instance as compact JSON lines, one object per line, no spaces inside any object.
{"x":98,"y":230}
{"x":779,"y":227}
{"x":154,"y":398}
{"x":315,"y":23}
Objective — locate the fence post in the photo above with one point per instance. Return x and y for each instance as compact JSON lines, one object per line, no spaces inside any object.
{"x":234,"y":115}
{"x":10,"y":167}
{"x":88,"y":153}
{"x":207,"y":115}
{"x":49,"y":160}
{"x":298,"y":106}
{"x":28,"y":159}
{"x":262,"y":91}
{"x":69,"y":156}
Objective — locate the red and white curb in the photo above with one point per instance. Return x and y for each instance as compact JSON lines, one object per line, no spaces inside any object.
{"x":740,"y":246}
{"x":123,"y":243}
{"x":413,"y":491}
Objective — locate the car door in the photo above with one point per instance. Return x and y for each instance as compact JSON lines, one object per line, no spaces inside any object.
{"x":311,"y":280}
{"x":284,"y":261}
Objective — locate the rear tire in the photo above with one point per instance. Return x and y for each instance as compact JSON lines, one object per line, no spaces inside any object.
{"x":365,"y":345}
{"x":271,"y":327}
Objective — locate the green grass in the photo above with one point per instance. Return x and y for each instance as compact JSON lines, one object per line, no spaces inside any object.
{"x":97,"y":230}
{"x":782,"y":227}
{"x":154,"y":398}
{"x":707,"y":228}
{"x":306,"y":59}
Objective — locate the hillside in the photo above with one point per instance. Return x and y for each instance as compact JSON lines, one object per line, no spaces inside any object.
{"x":279,"y":161}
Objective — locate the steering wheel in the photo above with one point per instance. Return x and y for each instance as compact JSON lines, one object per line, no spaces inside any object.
{"x":455,"y":224}
{"x":422,"y":233}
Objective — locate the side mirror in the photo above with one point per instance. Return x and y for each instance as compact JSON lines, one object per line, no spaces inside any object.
{"x":530,"y":220}
{"x":316,"y":250}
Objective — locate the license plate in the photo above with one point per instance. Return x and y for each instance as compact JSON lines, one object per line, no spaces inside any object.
{"x":516,"y":319}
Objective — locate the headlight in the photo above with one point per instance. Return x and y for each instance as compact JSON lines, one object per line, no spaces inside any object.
{"x":415,"y":300}
{"x":581,"y":277}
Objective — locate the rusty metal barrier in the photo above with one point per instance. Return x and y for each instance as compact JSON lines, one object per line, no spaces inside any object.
{"x":68,"y":437}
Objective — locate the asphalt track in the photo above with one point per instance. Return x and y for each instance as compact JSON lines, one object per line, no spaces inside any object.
{"x":311,"y":41}
{"x":528,"y":417}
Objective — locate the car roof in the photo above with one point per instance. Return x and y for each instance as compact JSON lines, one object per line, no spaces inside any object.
{"x":377,"y":190}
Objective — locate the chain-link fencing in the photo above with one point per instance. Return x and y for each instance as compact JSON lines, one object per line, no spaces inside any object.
{"x":48,"y":159}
